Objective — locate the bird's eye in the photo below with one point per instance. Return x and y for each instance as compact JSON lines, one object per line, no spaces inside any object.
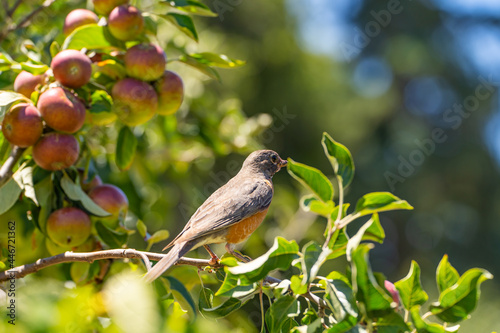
{"x":274,"y":158}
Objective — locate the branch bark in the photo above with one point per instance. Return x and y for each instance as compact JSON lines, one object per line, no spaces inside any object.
{"x":22,"y":271}
{"x":66,"y":257}
{"x":8,"y":166}
{"x":25,"y":20}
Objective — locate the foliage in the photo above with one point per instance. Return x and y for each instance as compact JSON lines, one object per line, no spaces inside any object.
{"x":311,"y":298}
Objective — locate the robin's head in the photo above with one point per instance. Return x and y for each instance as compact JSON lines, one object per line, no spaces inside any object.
{"x":266,"y":161}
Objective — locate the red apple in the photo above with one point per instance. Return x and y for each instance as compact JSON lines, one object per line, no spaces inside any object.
{"x":56,"y":151}
{"x":22,"y":125}
{"x":111,"y":199}
{"x":69,"y":226}
{"x":78,"y":18}
{"x":170,"y":91}
{"x":89,"y":184}
{"x":72,"y":68}
{"x":145,"y":62}
{"x":25,"y":83}
{"x":135,"y":102}
{"x":126,"y":23}
{"x":104,"y":7}
{"x":61,"y":110}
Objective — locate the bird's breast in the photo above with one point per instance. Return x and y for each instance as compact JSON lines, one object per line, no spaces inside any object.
{"x":240,"y":231}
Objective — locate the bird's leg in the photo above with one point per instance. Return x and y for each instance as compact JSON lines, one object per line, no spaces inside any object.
{"x":213,"y":257}
{"x":230,"y":249}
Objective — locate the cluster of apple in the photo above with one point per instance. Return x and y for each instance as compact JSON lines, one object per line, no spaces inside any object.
{"x":49,"y":119}
{"x":69,"y":228}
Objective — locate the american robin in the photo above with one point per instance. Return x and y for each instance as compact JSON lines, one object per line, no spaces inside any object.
{"x":230,"y":214}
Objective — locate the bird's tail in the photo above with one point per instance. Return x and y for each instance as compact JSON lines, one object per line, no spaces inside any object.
{"x":177,"y":251}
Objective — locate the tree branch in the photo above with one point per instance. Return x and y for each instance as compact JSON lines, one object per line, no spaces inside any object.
{"x":22,"y":271}
{"x":6,"y":169}
{"x":26,"y":19}
{"x":66,"y":257}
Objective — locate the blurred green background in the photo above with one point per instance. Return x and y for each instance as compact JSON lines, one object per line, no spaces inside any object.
{"x":410,"y":87}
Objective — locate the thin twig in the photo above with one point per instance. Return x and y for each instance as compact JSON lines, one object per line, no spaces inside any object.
{"x":11,"y":11}
{"x":25,"y":20}
{"x":6,"y":169}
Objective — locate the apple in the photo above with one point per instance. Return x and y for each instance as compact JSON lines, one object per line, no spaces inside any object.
{"x":112,"y":199}
{"x":89,"y":184}
{"x":22,"y":125}
{"x":104,"y":7}
{"x":170,"y":91}
{"x":145,"y":62}
{"x":77,"y":18}
{"x":26,"y":83}
{"x":56,"y":151}
{"x":72,"y":68}
{"x":135,"y":102}
{"x":69,"y":226}
{"x":61,"y":110}
{"x":126,"y":23}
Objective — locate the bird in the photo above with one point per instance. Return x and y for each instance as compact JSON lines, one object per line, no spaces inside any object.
{"x":230,"y":215}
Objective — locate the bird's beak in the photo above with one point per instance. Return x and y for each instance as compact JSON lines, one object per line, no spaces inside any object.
{"x":283,"y":163}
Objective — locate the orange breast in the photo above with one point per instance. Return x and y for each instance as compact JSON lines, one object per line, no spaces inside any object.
{"x":243,"y":229}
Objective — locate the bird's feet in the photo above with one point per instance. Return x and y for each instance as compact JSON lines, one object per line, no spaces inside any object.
{"x":242,"y":257}
{"x":214,"y":260}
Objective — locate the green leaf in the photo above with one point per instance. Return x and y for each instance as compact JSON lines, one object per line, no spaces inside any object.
{"x":44,"y":192}
{"x":157,"y":237}
{"x":313,"y":256}
{"x":207,"y":308}
{"x":359,"y":236}
{"x":340,"y":299}
{"x":54,"y":49}
{"x":141,"y":227}
{"x":311,"y":178}
{"x":90,"y":37}
{"x":7,"y":99}
{"x":191,"y":7}
{"x":410,"y":289}
{"x":340,"y":158}
{"x":150,"y":23}
{"x":279,"y":256}
{"x":375,"y":232}
{"x":101,"y":101}
{"x":335,"y":213}
{"x":202,"y":67}
{"x":9,"y":194}
{"x":181,"y":295}
{"x":378,"y":202}
{"x":115,"y":240}
{"x":5,"y":62}
{"x":282,"y":309}
{"x":391,"y":323}
{"x":459,"y":300}
{"x":75,"y":193}
{"x":214,"y":60}
{"x":24,"y":177}
{"x":446,"y":274}
{"x":34,"y":69}
{"x":309,"y":203}
{"x":424,"y":327}
{"x":338,"y":243}
{"x":126,"y":146}
{"x":374,"y":300}
{"x":183,"y":22}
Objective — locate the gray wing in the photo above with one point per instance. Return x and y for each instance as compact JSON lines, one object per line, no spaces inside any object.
{"x":228,"y":205}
